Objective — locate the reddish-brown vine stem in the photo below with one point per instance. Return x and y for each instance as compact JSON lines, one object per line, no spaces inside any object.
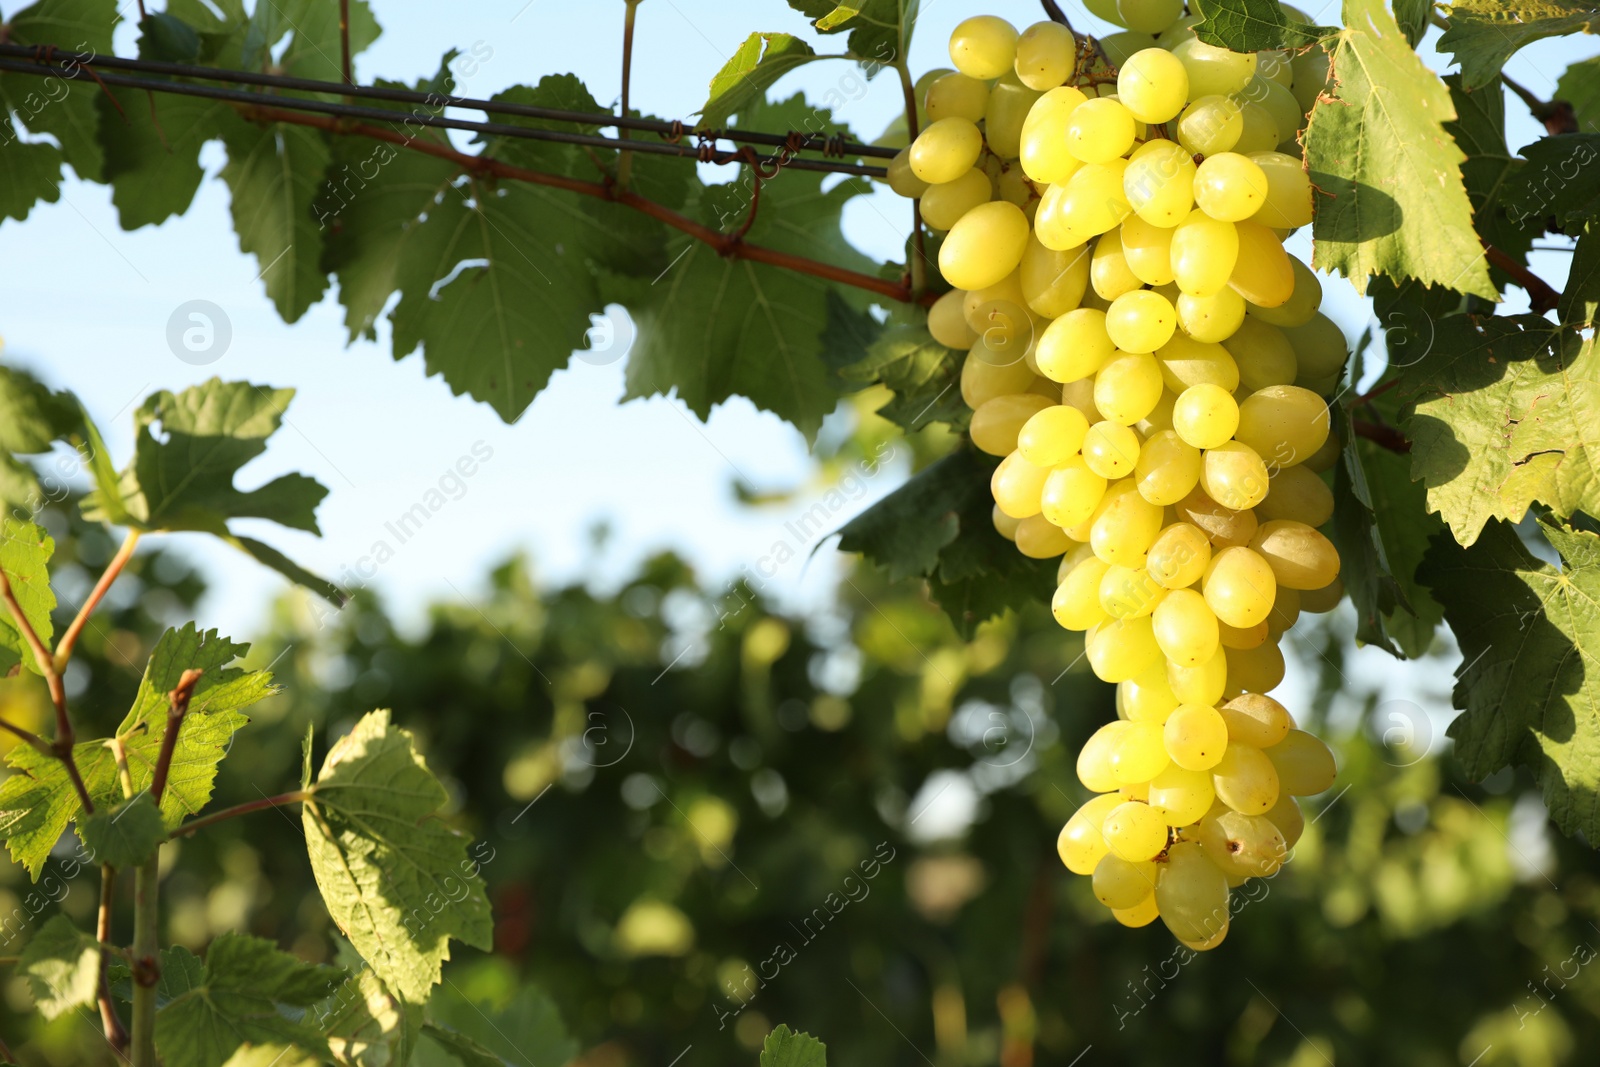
{"x":724,"y":244}
{"x":113,"y":570}
{"x":62,"y":748}
{"x":110,"y":1021}
{"x":282,"y":799}
{"x":1542,"y":296}
{"x":1367,"y":398}
{"x":1384,"y":436}
{"x":344,"y":42}
{"x":179,"y":700}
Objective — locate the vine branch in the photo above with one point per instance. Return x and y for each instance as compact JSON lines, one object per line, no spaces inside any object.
{"x":62,"y":747}
{"x":1384,"y":436}
{"x":110,"y":1021}
{"x":281,"y":800}
{"x":1542,"y":296}
{"x":112,"y":572}
{"x":179,"y":700}
{"x":625,"y":157}
{"x":917,"y":260}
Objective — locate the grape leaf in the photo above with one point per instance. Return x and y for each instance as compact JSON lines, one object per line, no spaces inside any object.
{"x":1529,"y":689}
{"x":153,"y":164}
{"x":25,"y":551}
{"x":1580,"y":300}
{"x":395,"y":879}
{"x":755,"y":65}
{"x":366,"y":1025}
{"x":1252,"y":26}
{"x":62,"y":963}
{"x":1506,"y":411}
{"x":880,"y":30}
{"x":1483,"y":34}
{"x":1580,"y":87}
{"x":1560,"y":181}
{"x":64,"y":108}
{"x":32,"y":416}
{"x":1363,"y":559}
{"x":315,"y":49}
{"x":168,"y":39}
{"x":126,"y":835}
{"x":1390,"y":195}
{"x":1412,"y":15}
{"x":274,"y":173}
{"x":248,"y":1055}
{"x":901,"y":355}
{"x":526,"y":1030}
{"x":1489,"y":169}
{"x":789,"y":1048}
{"x":29,"y":172}
{"x":237,"y":995}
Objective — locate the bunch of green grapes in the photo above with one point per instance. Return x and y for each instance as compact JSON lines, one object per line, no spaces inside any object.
{"x":1152,"y":365}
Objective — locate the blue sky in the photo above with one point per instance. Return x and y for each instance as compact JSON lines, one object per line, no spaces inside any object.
{"x":87,"y":306}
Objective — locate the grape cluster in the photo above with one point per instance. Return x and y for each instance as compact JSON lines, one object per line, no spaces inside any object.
{"x":1152,"y":365}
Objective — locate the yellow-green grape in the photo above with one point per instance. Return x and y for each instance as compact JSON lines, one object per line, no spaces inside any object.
{"x":1009,"y":104}
{"x":945,"y":203}
{"x":1146,"y":250}
{"x":1141,"y":321}
{"x":1138,"y":754}
{"x":1205,"y":415}
{"x":1299,"y":494}
{"x":1014,"y":186}
{"x":1052,"y":436}
{"x":1109,"y":272}
{"x":1246,"y":780}
{"x":1254,"y":670}
{"x":1053,"y":282}
{"x":1124,"y":527}
{"x":1076,"y":603}
{"x":1185,"y":628}
{"x":1147,"y":698}
{"x":1279,"y":102}
{"x":902,"y":179}
{"x":1047,"y":55}
{"x":1127,"y":387}
{"x":1239,"y":586}
{"x":1121,"y":885}
{"x":983,"y":46}
{"x":996,"y":425}
{"x":1178,"y":32}
{"x":1089,"y":204}
{"x":1071,"y":493}
{"x":1039,"y":538}
{"x":1264,"y":355}
{"x":948,"y":325}
{"x":1111,"y":449}
{"x":1289,"y":820}
{"x":1094,"y":759}
{"x":1192,"y":894}
{"x":1203,"y":685}
{"x":946,"y":150}
{"x":1300,"y":556}
{"x":1256,"y":720}
{"x":1210,"y":125}
{"x":1325,"y":457}
{"x":1260,"y":133}
{"x":1224,"y":527}
{"x":1285,"y":611}
{"x":983,"y":379}
{"x":1141,"y":914}
{"x":1135,"y":831}
{"x":1250,"y":637}
{"x":1318,"y":601}
{"x":1139,"y":791}
{"x":1100,"y":130}
{"x":1305,"y":765}
{"x":1288,"y":203}
{"x":1122,"y":649}
{"x":1186,"y":362}
{"x":1204,"y":251}
{"x":1152,"y":84}
{"x":1004,"y":524}
{"x":1074,"y":346}
{"x":1080,"y":843}
{"x":1043,"y":148}
{"x":1242,"y":846}
{"x":1149,"y":16}
{"x":1229,"y":187}
{"x":1214,"y":71}
{"x":1129,"y":592}
{"x":1264,"y":274}
{"x":1179,"y":556}
{"x":984,"y":246}
{"x":1195,"y":737}
{"x":1016,"y":485}
{"x":956,"y":96}
{"x":1320,"y":349}
{"x":1284,"y":423}
{"x":1160,"y":417}
{"x":1303,"y":303}
{"x":1275,"y":65}
{"x":1168,"y":468}
{"x":1209,"y":943}
{"x":1004,"y":296}
{"x":1181,"y":796}
{"x":1212,"y":318}
{"x":1310,"y":70}
{"x":1159,"y":183}
{"x":1234,"y":475}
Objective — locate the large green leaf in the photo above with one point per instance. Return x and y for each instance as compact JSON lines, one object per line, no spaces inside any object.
{"x":125,"y":835}
{"x":1391,"y":197}
{"x":32,"y":416}
{"x":397,"y":881}
{"x":366,"y":1025}
{"x":755,"y":65}
{"x":784,"y":1047}
{"x":902,"y":355}
{"x":1506,"y":411}
{"x":1483,"y":34}
{"x":152,"y":148}
{"x":1529,"y":689}
{"x":1490,"y":169}
{"x":25,"y":551}
{"x":880,"y":30}
{"x":315,"y":49}
{"x":1560,"y":182}
{"x":1580,"y":87}
{"x":64,"y":108}
{"x":274,"y":172}
{"x":1252,"y":25}
{"x":29,"y":172}
{"x":62,"y":964}
{"x":238,"y":995}
{"x":526,"y":1031}
{"x":1580,"y":299}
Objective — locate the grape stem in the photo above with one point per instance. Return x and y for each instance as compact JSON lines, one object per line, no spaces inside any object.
{"x":1053,"y":11}
{"x":625,"y":157}
{"x":61,"y":748}
{"x":724,"y":244}
{"x":1542,"y":297}
{"x":1384,"y":436}
{"x":918,"y":257}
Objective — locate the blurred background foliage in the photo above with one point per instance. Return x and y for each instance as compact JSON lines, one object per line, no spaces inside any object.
{"x":706,"y":818}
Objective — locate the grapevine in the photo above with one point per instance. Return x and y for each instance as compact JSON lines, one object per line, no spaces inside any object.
{"x":1152,"y":365}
